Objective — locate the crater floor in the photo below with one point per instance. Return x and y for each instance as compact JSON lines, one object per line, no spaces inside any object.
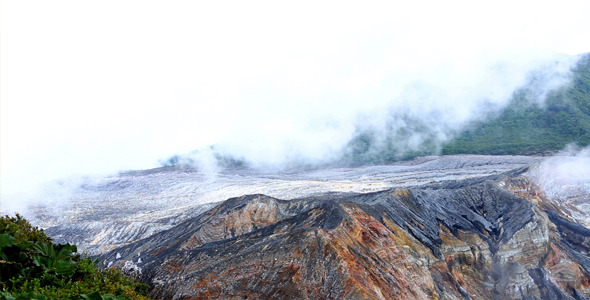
{"x":99,"y":214}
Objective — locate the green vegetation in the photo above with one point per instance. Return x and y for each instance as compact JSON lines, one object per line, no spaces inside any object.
{"x":525,"y":127}
{"x":32,"y":267}
{"x":373,"y":147}
{"x":222,"y":160}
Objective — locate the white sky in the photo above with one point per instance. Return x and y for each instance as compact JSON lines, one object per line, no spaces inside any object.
{"x":93,"y":87}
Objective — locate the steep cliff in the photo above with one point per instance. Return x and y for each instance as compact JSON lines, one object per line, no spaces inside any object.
{"x":495,"y":237}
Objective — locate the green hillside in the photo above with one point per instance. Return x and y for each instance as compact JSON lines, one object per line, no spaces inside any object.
{"x":523,"y":127}
{"x":527,"y":128}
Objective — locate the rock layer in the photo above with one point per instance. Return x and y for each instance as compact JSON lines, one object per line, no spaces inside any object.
{"x":100,"y":214}
{"x":479,"y":238}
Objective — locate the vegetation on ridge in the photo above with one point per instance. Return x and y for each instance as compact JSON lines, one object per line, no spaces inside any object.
{"x":526,"y":127}
{"x":32,"y":267}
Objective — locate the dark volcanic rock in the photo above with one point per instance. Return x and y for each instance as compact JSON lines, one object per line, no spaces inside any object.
{"x":101,"y":214}
{"x":471,"y":239}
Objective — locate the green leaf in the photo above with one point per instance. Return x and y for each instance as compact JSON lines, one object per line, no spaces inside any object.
{"x":44,"y":262}
{"x":65,"y":267}
{"x":66,"y":251}
{"x":6,"y":241}
{"x":23,"y":296}
{"x":32,"y":296}
{"x":45,"y":249}
{"x":92,"y":296}
{"x":6,"y":296}
{"x":60,"y":262}
{"x":112,"y":297}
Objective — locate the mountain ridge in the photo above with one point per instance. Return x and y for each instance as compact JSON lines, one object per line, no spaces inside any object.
{"x":530,"y":124}
{"x":476,"y":238}
{"x":527,"y":127}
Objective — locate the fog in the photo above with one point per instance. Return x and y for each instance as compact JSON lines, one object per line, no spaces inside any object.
{"x":94,"y":88}
{"x":566,"y":175}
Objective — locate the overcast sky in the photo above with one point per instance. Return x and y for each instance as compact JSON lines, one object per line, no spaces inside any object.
{"x":95,"y":87}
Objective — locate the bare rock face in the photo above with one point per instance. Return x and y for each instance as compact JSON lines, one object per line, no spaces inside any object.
{"x":494,"y":237}
{"x":101,"y":214}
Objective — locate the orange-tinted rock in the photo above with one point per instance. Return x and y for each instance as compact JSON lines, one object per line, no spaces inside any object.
{"x":487,"y":238}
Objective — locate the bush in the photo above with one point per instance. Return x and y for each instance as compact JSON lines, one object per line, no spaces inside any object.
{"x":32,"y":267}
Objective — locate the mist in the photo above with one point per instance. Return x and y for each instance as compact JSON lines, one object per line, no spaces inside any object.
{"x":91,"y":89}
{"x":566,"y":174}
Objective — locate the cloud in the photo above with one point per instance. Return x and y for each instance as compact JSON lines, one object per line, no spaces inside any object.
{"x":566,"y":175}
{"x":565,"y":180}
{"x":96,"y":88}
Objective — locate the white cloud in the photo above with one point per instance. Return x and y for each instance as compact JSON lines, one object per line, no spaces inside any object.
{"x":96,"y":87}
{"x":565,"y":174}
{"x":565,"y":181}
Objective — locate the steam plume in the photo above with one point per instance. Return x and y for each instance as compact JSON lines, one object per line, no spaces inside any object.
{"x":96,"y":88}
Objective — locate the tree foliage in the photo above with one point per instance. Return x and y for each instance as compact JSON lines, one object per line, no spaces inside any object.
{"x":529,"y":127}
{"x":32,"y":267}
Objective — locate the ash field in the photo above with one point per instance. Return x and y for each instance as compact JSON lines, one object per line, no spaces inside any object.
{"x":442,"y":227}
{"x":100,"y":214}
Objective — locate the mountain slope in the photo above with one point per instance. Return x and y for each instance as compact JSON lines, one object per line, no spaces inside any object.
{"x":103,"y":214}
{"x":525,"y":127}
{"x":483,"y":238}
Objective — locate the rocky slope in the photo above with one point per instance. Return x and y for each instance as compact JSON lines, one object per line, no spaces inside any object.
{"x":493,"y":237}
{"x":100,"y":214}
